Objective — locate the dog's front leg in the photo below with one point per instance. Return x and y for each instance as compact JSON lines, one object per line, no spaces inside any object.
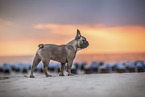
{"x":69,"y":64}
{"x":62,"y":69}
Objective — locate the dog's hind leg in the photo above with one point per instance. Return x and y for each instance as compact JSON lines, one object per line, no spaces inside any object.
{"x":45,"y":67}
{"x":34,"y":65}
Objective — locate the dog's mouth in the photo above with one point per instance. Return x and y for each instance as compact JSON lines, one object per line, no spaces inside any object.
{"x":85,"y":44}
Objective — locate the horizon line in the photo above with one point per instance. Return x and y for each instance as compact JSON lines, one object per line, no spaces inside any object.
{"x":80,"y":54}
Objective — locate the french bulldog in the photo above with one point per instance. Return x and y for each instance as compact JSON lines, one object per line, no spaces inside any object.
{"x":61,"y":53}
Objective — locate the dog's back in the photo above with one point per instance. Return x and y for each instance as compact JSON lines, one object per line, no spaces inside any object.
{"x":54,"y":52}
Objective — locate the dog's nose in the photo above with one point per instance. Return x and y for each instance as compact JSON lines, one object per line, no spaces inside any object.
{"x":87,"y":43}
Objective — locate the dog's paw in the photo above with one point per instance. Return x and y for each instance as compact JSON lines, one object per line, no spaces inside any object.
{"x":32,"y":76}
{"x":70,"y":74}
{"x":49,"y":76}
{"x":61,"y":74}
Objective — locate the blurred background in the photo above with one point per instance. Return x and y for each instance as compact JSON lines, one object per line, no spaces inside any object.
{"x":115,"y":29}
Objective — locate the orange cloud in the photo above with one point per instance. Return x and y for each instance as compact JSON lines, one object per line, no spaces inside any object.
{"x":105,"y":39}
{"x":65,"y":29}
{"x":102,"y":39}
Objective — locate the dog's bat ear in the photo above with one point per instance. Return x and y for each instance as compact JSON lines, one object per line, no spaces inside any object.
{"x":78,"y":36}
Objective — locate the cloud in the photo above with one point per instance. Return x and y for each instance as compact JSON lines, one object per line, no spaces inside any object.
{"x":57,"y":28}
{"x":10,"y":30}
{"x":6,"y":22}
{"x":102,"y":39}
{"x":65,"y":29}
{"x":107,"y":12}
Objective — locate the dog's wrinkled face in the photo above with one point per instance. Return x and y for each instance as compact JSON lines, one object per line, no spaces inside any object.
{"x":81,"y":40}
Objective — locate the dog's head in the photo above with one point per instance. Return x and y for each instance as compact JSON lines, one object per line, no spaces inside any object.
{"x":81,"y":41}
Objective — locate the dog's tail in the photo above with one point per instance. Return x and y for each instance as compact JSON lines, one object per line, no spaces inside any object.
{"x":40,"y":46}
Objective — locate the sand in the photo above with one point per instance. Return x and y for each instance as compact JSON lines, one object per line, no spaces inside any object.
{"x":93,"y":85}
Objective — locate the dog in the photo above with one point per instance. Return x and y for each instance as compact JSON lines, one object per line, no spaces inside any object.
{"x":61,"y":53}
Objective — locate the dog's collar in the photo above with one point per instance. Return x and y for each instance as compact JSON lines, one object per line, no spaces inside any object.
{"x":77,"y":47}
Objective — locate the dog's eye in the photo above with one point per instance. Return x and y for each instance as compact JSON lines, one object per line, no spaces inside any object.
{"x":84,"y":40}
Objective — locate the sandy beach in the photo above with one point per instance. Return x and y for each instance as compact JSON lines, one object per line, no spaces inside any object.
{"x":93,"y":85}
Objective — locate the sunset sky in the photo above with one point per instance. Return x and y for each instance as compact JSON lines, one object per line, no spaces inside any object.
{"x":110,"y":26}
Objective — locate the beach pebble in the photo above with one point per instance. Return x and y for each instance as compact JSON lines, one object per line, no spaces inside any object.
{"x":40,"y":67}
{"x":6,"y":68}
{"x":74,"y":69}
{"x":1,"y":69}
{"x":131,"y":67}
{"x":82,"y":65}
{"x":87,"y":69}
{"x":140,"y":67}
{"x":16,"y":68}
{"x":121,"y":68}
{"x":94,"y":67}
{"x":57,"y":67}
{"x":104,"y":68}
{"x":52,"y":67}
{"x":113,"y":66}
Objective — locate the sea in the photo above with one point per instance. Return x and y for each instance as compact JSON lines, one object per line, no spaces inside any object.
{"x":89,"y":58}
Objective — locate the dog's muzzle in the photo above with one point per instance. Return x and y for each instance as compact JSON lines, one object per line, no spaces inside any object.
{"x":85,"y":44}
